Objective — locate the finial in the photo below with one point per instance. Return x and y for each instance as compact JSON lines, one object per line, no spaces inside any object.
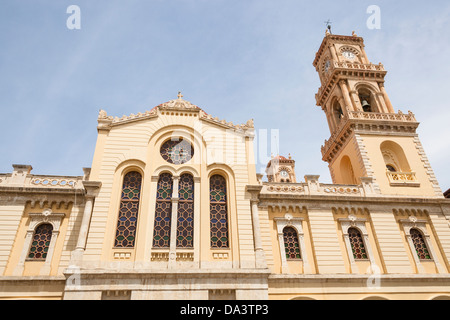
{"x":328,"y":24}
{"x":290,"y":157}
{"x":354,"y":34}
{"x":102,"y":114}
{"x":180,"y":95}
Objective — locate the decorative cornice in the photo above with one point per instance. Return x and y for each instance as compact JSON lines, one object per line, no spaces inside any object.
{"x":105,"y":122}
{"x":332,"y":38}
{"x":343,"y":70}
{"x":229,"y":125}
{"x":368,"y":123}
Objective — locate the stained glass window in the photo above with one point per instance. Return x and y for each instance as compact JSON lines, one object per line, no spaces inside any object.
{"x":419,"y":244}
{"x":357,"y":243}
{"x":177,"y":151}
{"x":128,"y":211}
{"x":218,"y":212}
{"x":291,"y":244}
{"x":185,"y":227}
{"x":41,"y":242}
{"x":163,"y":211}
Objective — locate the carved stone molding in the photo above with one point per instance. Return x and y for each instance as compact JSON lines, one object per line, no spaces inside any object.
{"x":296,"y":223}
{"x":414,"y":223}
{"x":36,"y":219}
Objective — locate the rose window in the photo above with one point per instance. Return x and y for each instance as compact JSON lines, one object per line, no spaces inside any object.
{"x":177,"y":151}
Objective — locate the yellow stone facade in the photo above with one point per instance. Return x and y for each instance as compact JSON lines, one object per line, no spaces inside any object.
{"x":381,"y":230}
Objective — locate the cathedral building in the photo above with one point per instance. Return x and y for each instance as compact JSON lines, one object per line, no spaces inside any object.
{"x":173,"y":208}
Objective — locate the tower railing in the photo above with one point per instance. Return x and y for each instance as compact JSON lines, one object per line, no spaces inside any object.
{"x":361,"y":115}
{"x":402,"y":178}
{"x":400,"y":116}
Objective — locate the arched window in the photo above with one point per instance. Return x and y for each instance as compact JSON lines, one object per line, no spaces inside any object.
{"x":163,"y":211}
{"x":394,"y":157}
{"x":391,"y":168}
{"x":185,"y":223}
{"x":128,"y":212}
{"x":218,"y":212}
{"x":291,"y":244}
{"x":419,"y":244}
{"x":337,"y":111}
{"x":367,"y":99}
{"x":357,"y":244}
{"x":41,"y":242}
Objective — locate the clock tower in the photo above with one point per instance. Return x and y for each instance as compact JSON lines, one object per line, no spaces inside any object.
{"x":281,"y":170}
{"x":368,"y":138}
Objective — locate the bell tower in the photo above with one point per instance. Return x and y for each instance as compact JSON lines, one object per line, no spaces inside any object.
{"x":368,"y":138}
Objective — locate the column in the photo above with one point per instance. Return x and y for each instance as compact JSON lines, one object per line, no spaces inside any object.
{"x":173,"y":224}
{"x":382,"y":106}
{"x":197,"y":204}
{"x":92,"y":189}
{"x":151,"y":219}
{"x":259,"y":251}
{"x":346,"y":94}
{"x":386,"y":98}
{"x":18,"y":271}
{"x":84,"y":228}
{"x":355,"y":98}
{"x":284,"y":265}
{"x":260,"y":257}
{"x":333,"y":53}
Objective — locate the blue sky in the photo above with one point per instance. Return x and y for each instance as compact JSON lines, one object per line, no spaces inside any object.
{"x":236,"y":59}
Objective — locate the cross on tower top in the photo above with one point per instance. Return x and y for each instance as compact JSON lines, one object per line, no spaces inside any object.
{"x":328,"y":24}
{"x":180,"y":95}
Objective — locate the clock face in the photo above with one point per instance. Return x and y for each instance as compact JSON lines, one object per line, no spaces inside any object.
{"x":349,"y":55}
{"x":284,"y":173}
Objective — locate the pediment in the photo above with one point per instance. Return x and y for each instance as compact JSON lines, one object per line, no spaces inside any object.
{"x":106,"y":122}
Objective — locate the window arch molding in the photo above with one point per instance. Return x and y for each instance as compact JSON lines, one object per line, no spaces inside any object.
{"x":413,"y":223}
{"x":229,"y":180}
{"x":130,"y":165}
{"x":128,"y":168}
{"x":227,"y":173}
{"x":359,"y":224}
{"x":47,"y":216}
{"x":189,"y":134}
{"x":395,"y":158}
{"x":371,"y":93}
{"x":336,"y":111}
{"x":393,"y":154}
{"x":288,"y":221}
{"x":175,"y":172}
{"x":122,"y":169}
{"x":164,"y":169}
{"x":368,"y":87}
